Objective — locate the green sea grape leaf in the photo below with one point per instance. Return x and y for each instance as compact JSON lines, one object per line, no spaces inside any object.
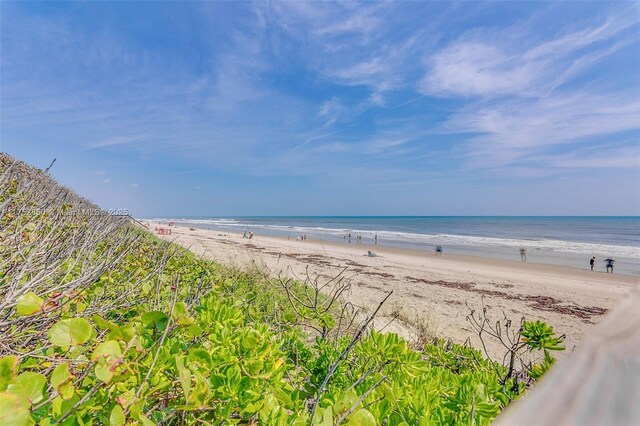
{"x":117,"y":417}
{"x":102,"y":323}
{"x":345,"y":401}
{"x":200,"y":392}
{"x":194,"y":330}
{"x":145,"y":420}
{"x":60,"y":406}
{"x":254,"y":366}
{"x":251,"y":339}
{"x":179,"y":310}
{"x":200,"y":357}
{"x":14,"y":411}
{"x":29,"y":304}
{"x":301,"y":421}
{"x":66,"y":390}
{"x":136,"y":407}
{"x":107,"y":354}
{"x":155,"y":318}
{"x":185,"y":376}
{"x":109,"y":350}
{"x":125,"y":332}
{"x":61,"y":380}
{"x":81,"y":307}
{"x":103,"y":372}
{"x":179,"y":314}
{"x":135,"y":411}
{"x":60,"y":374}
{"x":29,"y":386}
{"x":361,"y":417}
{"x":323,"y":417}
{"x":56,"y":406}
{"x":269,"y":406}
{"x":8,"y":371}
{"x":70,"y":331}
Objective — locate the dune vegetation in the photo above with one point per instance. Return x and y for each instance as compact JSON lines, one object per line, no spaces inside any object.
{"x":103,"y":323}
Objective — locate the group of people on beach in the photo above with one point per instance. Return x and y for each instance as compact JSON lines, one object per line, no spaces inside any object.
{"x":608,"y":263}
{"x":438,"y":249}
{"x":359,"y":238}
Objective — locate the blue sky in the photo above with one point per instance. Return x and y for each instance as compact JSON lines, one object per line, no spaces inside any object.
{"x":299,"y":108}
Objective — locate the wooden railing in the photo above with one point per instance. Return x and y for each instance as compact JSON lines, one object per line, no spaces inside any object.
{"x":598,"y":384}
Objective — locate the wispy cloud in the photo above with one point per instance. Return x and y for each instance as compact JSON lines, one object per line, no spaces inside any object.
{"x":351,"y":44}
{"x":497,"y":62}
{"x":332,"y":110}
{"x":525,"y":98}
{"x":360,"y":21}
{"x":117,"y":140}
{"x":381,"y":145}
{"x":513,"y":130}
{"x":316,"y":137}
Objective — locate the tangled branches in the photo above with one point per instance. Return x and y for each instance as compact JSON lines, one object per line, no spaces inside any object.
{"x":517,"y":342}
{"x":53,"y":245}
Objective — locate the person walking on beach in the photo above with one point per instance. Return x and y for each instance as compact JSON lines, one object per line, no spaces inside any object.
{"x":609,"y":264}
{"x":375,"y":239}
{"x":523,"y":254}
{"x":592,"y":262}
{"x":438,"y":250}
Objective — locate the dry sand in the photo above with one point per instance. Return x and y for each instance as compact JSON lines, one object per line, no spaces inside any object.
{"x":428,"y":289}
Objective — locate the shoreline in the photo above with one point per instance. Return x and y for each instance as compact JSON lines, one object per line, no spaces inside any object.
{"x":382,"y":249}
{"x":626,"y":264}
{"x":433,"y":293}
{"x":448,"y":253}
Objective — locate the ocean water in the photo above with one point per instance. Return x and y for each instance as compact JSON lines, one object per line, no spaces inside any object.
{"x":562,"y":240}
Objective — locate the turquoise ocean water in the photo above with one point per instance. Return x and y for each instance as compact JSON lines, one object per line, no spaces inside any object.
{"x":562,"y":240}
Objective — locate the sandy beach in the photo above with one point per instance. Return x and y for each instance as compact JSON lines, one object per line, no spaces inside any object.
{"x":436,"y":292}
